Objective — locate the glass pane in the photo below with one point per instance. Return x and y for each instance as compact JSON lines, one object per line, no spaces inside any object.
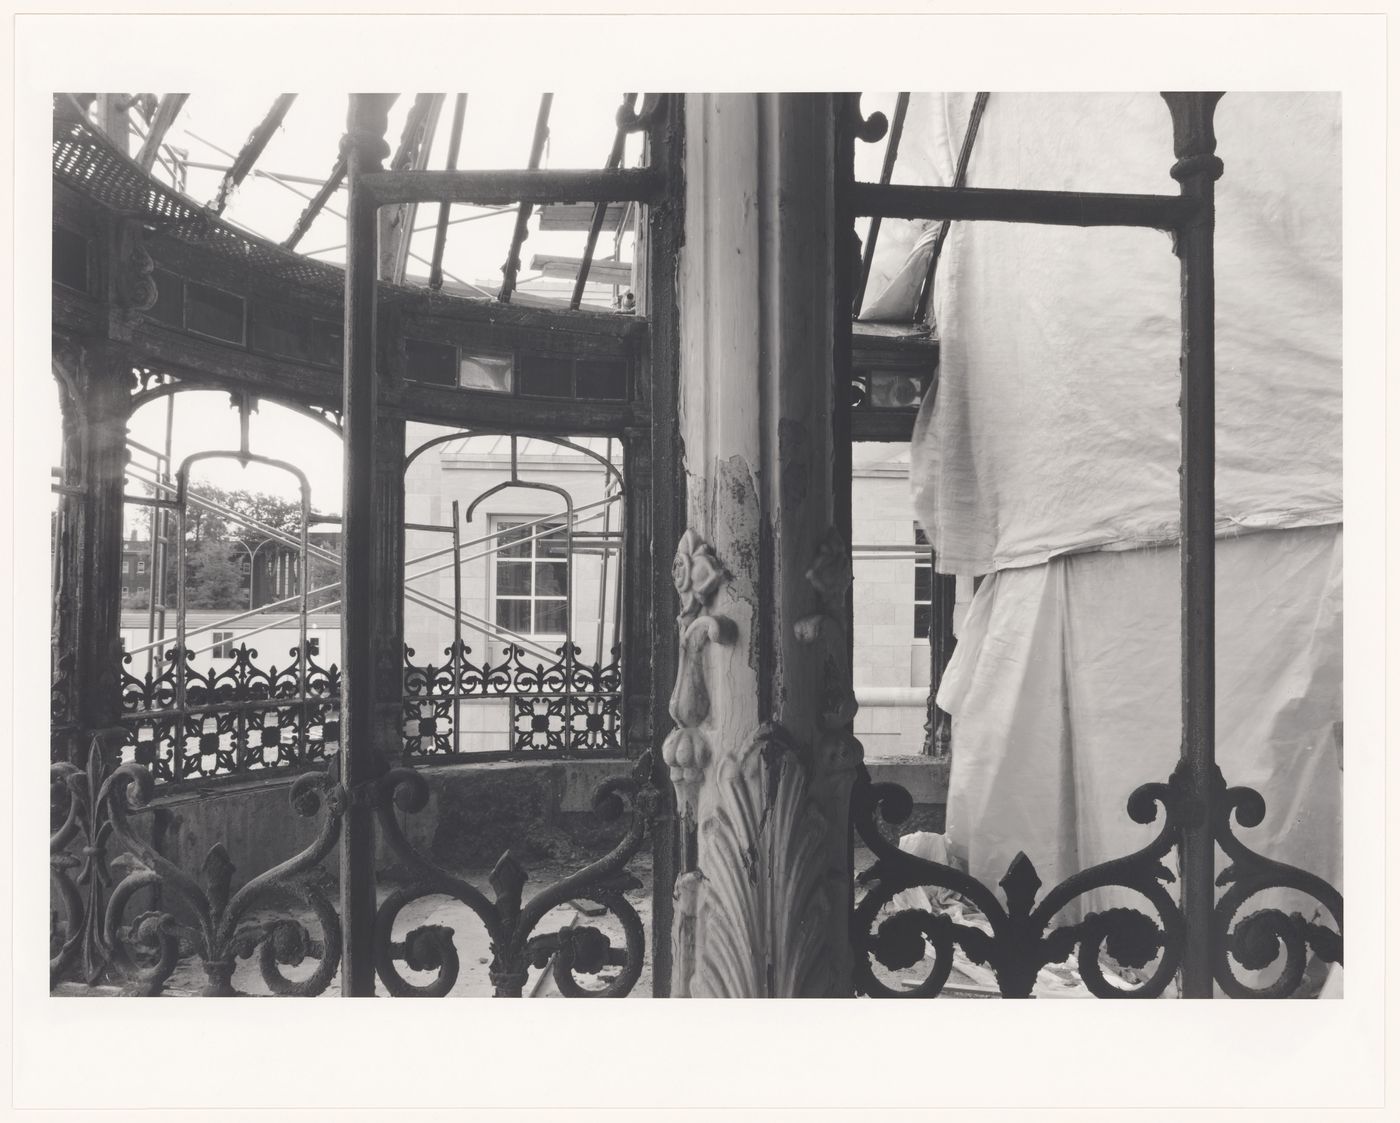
{"x":923,"y":614}
{"x":513,"y":579}
{"x":430,"y":362}
{"x":70,"y":259}
{"x":923,"y":582}
{"x":551,"y":617}
{"x":214,"y":312}
{"x":487,"y":370}
{"x":551,"y":579}
{"x":555,"y":545}
{"x":547,"y":376}
{"x":606,"y":379}
{"x":170,"y":298}
{"x":508,"y":537}
{"x":513,"y":614}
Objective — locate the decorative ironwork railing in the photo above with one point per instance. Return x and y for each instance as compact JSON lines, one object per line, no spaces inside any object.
{"x":184,"y":723}
{"x":567,"y":707}
{"x":126,"y":916}
{"x":1020,"y":937}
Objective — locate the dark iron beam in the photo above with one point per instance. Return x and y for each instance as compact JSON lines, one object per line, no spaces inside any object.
{"x":600,"y":210}
{"x":454,"y":147}
{"x":511,"y":268}
{"x":1051,"y":208}
{"x":166,"y":112}
{"x":901,"y":110}
{"x":251,"y":150}
{"x":501,"y":188}
{"x":317,"y":203}
{"x":361,"y":762}
{"x":1196,"y":169}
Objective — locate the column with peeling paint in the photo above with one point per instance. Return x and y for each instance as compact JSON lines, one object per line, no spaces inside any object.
{"x":761,"y":753}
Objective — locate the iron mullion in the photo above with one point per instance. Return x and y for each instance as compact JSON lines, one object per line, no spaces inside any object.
{"x":251,"y":150}
{"x":901,"y":109}
{"x":454,"y":146}
{"x":600,"y":210}
{"x":1197,"y":169}
{"x":522,"y":215}
{"x":458,"y":653}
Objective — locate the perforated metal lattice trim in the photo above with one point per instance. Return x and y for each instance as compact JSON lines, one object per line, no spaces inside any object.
{"x":84,"y":160}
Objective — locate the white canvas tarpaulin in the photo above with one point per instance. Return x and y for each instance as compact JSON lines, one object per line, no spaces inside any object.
{"x":1048,"y":456}
{"x":1054,"y":425}
{"x":1065,"y":692}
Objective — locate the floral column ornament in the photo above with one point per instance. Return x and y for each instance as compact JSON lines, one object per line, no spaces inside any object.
{"x":697,"y":575}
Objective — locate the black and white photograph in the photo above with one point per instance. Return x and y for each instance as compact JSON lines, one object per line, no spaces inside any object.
{"x":527,"y":540}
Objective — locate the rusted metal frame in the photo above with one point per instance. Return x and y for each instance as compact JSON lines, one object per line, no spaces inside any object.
{"x":454,"y":147}
{"x":848,"y":124}
{"x":657,"y":518}
{"x":103,"y":416}
{"x":203,"y":365}
{"x":361,"y":762}
{"x":317,"y":203}
{"x":166,"y":112}
{"x":396,"y":225}
{"x":1052,"y":208}
{"x":457,"y":649}
{"x":516,"y":185}
{"x":251,"y":150}
{"x":600,"y":210}
{"x":1196,"y":169}
{"x":511,"y":268}
{"x":448,"y":405}
{"x":901,"y":110}
{"x":603,"y":566}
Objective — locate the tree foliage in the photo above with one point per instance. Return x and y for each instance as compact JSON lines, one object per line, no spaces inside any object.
{"x":221,"y":546}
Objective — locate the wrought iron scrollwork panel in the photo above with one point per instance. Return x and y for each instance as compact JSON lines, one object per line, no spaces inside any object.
{"x":564,"y":708}
{"x":509,"y":921}
{"x":1259,"y":939}
{"x":1022,"y":937}
{"x":106,"y":934}
{"x":187,"y":724}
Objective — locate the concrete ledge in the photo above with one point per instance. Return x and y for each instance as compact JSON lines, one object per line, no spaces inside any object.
{"x":475,"y":812}
{"x":923,"y":777}
{"x":540,"y":810}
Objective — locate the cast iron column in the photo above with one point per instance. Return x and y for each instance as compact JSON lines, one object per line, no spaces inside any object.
{"x":761,"y":755}
{"x":361,"y":759}
{"x":1196,"y":169}
{"x":96,"y":381}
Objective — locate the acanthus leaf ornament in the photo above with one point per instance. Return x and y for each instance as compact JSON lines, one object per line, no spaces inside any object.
{"x":766,"y":883}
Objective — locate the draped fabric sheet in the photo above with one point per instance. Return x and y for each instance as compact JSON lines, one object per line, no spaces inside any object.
{"x":1065,"y":695}
{"x":1054,"y":425}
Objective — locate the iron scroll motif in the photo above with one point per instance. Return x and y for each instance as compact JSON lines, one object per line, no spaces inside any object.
{"x":1258,"y":939}
{"x":78,"y":945}
{"x":236,"y":719}
{"x":566,"y":707}
{"x":264,"y":916}
{"x":1023,"y":940}
{"x":510,"y":924}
